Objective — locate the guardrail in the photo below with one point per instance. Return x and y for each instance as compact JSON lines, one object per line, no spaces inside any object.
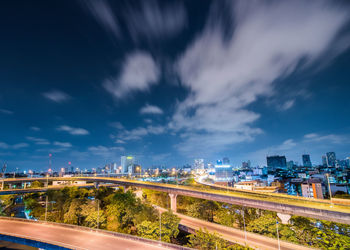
{"x":100,"y":231}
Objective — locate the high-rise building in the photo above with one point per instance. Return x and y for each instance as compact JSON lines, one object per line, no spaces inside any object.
{"x":223,"y":173}
{"x":312,"y":188}
{"x":127,"y":163}
{"x":226,"y":160}
{"x":198,"y":164}
{"x":331,"y":159}
{"x":306,"y":161}
{"x":290,"y":165}
{"x":324,"y":161}
{"x":276,"y":161}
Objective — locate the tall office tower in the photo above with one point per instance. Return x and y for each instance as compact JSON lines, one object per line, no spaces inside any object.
{"x":226,"y":160}
{"x":199,"y":164}
{"x":275,"y":162}
{"x":223,"y":173}
{"x":127,"y":163}
{"x":324,"y":161}
{"x":331,"y":159}
{"x":306,"y":161}
{"x":290,"y":164}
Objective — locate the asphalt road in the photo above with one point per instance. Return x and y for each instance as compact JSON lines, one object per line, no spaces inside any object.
{"x":235,"y":235}
{"x":71,"y":238}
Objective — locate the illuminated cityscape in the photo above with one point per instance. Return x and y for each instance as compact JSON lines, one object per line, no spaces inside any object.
{"x":173,"y":124}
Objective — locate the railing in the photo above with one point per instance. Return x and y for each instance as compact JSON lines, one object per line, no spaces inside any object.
{"x":100,"y":231}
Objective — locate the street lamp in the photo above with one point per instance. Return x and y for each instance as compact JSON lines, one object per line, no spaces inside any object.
{"x":245,"y":231}
{"x":278,"y":236}
{"x":98,"y":214}
{"x":160,"y":226}
{"x":329,"y":188}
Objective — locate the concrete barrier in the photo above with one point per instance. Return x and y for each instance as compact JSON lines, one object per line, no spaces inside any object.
{"x":100,"y":231}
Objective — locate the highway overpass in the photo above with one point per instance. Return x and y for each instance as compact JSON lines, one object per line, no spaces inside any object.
{"x":234,"y":235}
{"x":74,"y":237}
{"x":283,"y":205}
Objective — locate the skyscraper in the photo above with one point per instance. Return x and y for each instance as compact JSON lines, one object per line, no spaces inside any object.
{"x":199,"y":164}
{"x":331,"y":159}
{"x":275,"y":162}
{"x":306,"y":161}
{"x":127,"y":163}
{"x":226,"y":160}
{"x":324,"y":160}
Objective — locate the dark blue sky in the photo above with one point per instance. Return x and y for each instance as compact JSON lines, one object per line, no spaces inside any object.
{"x":170,"y":81}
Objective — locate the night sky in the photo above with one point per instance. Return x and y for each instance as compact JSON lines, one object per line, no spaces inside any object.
{"x":171,"y":81}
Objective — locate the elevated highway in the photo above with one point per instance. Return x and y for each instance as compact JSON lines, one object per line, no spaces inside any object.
{"x":234,"y":235}
{"x":283,"y":205}
{"x":75,"y":237}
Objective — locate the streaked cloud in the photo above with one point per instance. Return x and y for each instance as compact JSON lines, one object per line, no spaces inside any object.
{"x":138,"y":133}
{"x":73,"y":131}
{"x":104,"y":15}
{"x":229,"y":67}
{"x":139,"y":72}
{"x":4,"y":145}
{"x":35,"y":128}
{"x":56,"y":96}
{"x":38,"y":141}
{"x":6,"y":112}
{"x":329,"y":138}
{"x":156,"y":19}
{"x":62,"y":144}
{"x":107,"y":153}
{"x":151,"y":109}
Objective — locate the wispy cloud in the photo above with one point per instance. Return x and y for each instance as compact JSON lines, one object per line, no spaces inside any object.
{"x":139,"y":72}
{"x":104,"y":15}
{"x":73,"y":131}
{"x":62,"y":144}
{"x":56,"y":96}
{"x":154,"y":20}
{"x":287,"y":105}
{"x":6,"y":112}
{"x":38,"y":141}
{"x":138,"y":133}
{"x":34,"y":128}
{"x":4,"y":145}
{"x":330,"y":138}
{"x":227,"y":68}
{"x":106,"y":152}
{"x":151,"y":109}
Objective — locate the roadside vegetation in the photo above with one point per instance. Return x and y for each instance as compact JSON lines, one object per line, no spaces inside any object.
{"x":301,"y":230}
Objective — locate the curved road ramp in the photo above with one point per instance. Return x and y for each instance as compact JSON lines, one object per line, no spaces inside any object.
{"x":51,"y":235}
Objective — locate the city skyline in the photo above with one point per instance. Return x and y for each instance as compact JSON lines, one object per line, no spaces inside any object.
{"x":169,"y":82}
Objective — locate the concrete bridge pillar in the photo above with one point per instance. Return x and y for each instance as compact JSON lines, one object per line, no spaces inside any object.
{"x":173,"y":202}
{"x":125,"y":188}
{"x":24,"y":185}
{"x":138,"y":193}
{"x":96,"y":184}
{"x":284,"y":217}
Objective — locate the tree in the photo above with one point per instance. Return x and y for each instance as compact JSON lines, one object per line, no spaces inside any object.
{"x":149,"y":230}
{"x":206,"y":241}
{"x":36,"y":184}
{"x":170,"y":226}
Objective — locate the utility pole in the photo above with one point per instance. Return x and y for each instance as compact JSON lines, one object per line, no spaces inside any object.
{"x":245,"y":231}
{"x":47,"y":200}
{"x":98,"y":214}
{"x":160,"y":226}
{"x":329,"y":188}
{"x":278,"y":236}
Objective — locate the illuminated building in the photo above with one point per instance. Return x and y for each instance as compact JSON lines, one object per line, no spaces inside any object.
{"x":306,"y":161}
{"x":275,"y":162}
{"x":127,"y":163}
